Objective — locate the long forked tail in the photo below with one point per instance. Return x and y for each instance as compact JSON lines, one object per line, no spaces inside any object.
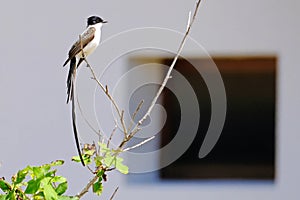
{"x":75,"y":132}
{"x":71,"y":79}
{"x":70,"y":92}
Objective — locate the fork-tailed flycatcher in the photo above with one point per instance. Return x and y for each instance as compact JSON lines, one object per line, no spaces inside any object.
{"x":90,"y":39}
{"x":88,"y":42}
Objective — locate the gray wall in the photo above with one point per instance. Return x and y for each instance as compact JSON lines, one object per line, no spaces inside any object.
{"x":35,"y":121}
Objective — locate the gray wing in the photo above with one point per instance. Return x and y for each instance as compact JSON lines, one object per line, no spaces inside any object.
{"x":86,"y":37}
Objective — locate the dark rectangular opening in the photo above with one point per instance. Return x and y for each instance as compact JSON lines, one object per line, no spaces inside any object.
{"x":246,"y":147}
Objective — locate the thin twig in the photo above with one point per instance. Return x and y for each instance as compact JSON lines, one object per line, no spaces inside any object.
{"x":113,"y":195}
{"x":123,"y":123}
{"x":111,"y":135}
{"x":133,"y":132}
{"x":134,"y":115}
{"x":105,"y":90}
{"x":90,"y":169}
{"x":126,"y":139}
{"x":139,"y":144}
{"x":87,"y":187}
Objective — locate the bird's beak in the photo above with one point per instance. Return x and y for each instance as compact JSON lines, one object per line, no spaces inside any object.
{"x":104,"y":22}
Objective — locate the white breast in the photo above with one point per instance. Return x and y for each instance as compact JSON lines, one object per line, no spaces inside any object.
{"x":90,"y":48}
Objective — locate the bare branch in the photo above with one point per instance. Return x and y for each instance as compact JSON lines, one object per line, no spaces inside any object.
{"x":113,"y":195}
{"x":105,"y":90}
{"x":190,"y":23}
{"x":90,"y":169}
{"x":111,"y":135}
{"x":87,"y":187}
{"x":123,"y":123}
{"x":134,"y":115}
{"x":140,"y":144}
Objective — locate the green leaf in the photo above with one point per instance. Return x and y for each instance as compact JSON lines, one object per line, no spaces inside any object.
{"x":32,"y":187}
{"x":98,"y":160}
{"x":50,"y":173}
{"x":76,"y":159}
{"x":46,"y":167}
{"x":4,"y":185}
{"x":21,"y":175}
{"x":109,"y":160}
{"x":98,"y":187}
{"x":100,"y":173}
{"x":49,"y":192}
{"x":3,"y":197}
{"x":89,"y":152}
{"x":120,"y":166}
{"x":39,"y":196}
{"x":57,"y":163}
{"x":103,"y":147}
{"x":87,"y":159}
{"x":11,"y":195}
{"x":58,"y":179}
{"x":61,"y":188}
{"x":38,"y":172}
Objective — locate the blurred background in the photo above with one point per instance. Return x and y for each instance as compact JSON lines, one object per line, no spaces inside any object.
{"x":35,"y":122}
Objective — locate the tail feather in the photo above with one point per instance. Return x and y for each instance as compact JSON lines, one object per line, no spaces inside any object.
{"x":80,"y":61}
{"x":70,"y":92}
{"x":71,"y":79}
{"x":66,"y":62}
{"x":76,"y":133}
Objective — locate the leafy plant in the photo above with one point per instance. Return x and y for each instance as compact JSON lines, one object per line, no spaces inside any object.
{"x":36,"y":182}
{"x":105,"y":159}
{"x":42,"y":183}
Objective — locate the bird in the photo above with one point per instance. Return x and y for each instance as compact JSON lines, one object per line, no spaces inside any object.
{"x":89,"y":41}
{"x":86,"y":44}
